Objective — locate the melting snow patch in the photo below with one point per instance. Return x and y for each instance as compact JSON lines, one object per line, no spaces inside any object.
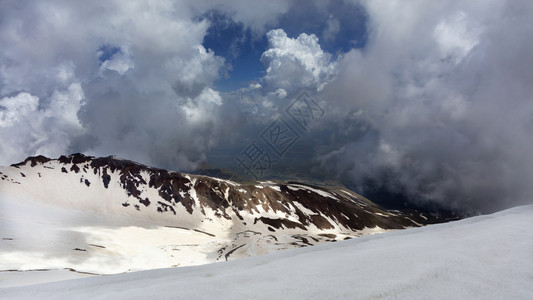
{"x":380,"y":214}
{"x":296,"y":187}
{"x":275,"y":187}
{"x":304,"y":209}
{"x":233,"y":183}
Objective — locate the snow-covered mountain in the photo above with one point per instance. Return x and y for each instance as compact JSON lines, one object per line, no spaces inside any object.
{"x":485,"y":257}
{"x":113,"y":185}
{"x":108,"y":215}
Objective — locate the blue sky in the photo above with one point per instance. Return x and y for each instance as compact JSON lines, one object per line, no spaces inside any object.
{"x":242,"y":48}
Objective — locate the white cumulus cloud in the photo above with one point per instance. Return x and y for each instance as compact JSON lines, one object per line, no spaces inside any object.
{"x":295,"y":63}
{"x":24,"y":128}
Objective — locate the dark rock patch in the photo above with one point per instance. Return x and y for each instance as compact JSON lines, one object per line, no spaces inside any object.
{"x":328,"y":235}
{"x":106,"y":178}
{"x":200,"y":231}
{"x":321,"y":222}
{"x":165,"y":207}
{"x":34,"y":160}
{"x":233,"y":250}
{"x":303,"y":240}
{"x":169,"y":186}
{"x":76,"y":158}
{"x":146,"y":202}
{"x":273,"y":236}
{"x":178,"y":227}
{"x":279,"y":223}
{"x":79,"y":272}
{"x":209,"y":195}
{"x":75,"y":168}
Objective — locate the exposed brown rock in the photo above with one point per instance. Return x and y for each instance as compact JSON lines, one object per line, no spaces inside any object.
{"x":34,"y":160}
{"x":232,"y":201}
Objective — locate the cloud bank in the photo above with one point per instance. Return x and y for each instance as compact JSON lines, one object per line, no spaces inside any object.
{"x":446,"y":95}
{"x":433,"y":102}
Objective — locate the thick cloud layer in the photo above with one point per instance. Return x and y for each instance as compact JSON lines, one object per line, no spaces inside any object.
{"x":446,"y":91}
{"x":27,"y":129}
{"x":434,"y":102}
{"x":143,"y":79}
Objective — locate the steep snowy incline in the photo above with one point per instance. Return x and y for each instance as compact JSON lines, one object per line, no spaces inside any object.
{"x":485,"y":257}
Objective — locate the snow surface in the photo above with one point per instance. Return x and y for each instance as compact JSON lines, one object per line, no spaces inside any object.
{"x":51,"y":223}
{"x":36,"y":235}
{"x":485,"y":257}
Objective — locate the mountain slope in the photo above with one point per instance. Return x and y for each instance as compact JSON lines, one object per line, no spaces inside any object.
{"x":107,"y":215}
{"x":486,"y":257}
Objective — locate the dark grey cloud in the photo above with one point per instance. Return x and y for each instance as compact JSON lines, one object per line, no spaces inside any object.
{"x":445,"y":88}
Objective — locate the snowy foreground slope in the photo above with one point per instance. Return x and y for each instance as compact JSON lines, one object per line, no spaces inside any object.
{"x":485,"y":257}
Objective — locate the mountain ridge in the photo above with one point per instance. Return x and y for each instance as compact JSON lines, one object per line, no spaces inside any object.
{"x":175,"y":188}
{"x":105,"y":215}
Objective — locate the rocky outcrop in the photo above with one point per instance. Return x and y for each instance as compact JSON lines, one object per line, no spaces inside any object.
{"x":274,"y":205}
